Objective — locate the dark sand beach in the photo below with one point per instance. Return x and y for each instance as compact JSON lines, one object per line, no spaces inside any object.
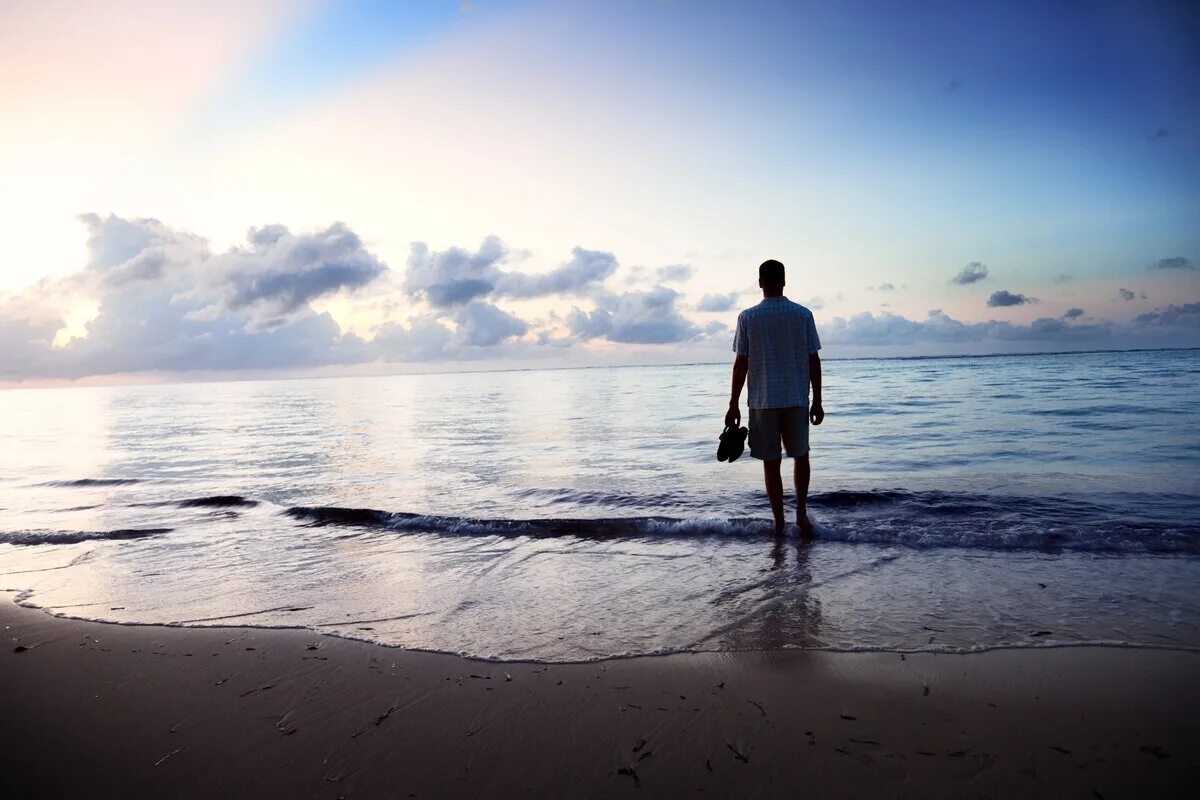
{"x":92,"y":709}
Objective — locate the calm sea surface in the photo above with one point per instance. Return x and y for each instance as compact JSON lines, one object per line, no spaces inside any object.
{"x":577,"y":514}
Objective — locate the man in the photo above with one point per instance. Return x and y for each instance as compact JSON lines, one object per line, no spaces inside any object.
{"x":776,"y":344}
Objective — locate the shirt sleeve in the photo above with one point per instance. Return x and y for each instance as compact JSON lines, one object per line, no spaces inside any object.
{"x":741,"y":342}
{"x":814,"y":341}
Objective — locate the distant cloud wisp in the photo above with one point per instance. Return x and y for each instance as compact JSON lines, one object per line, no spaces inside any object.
{"x":1175,"y":262}
{"x":971,"y":273}
{"x":1004,"y":298}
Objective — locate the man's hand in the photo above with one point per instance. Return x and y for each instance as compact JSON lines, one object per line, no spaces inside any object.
{"x":816,"y":414}
{"x":733,"y":416}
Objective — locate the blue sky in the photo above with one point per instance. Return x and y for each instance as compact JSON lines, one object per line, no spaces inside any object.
{"x":596,"y":181}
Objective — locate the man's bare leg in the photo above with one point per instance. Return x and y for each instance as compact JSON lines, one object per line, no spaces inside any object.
{"x":803,"y":471}
{"x":774,"y":492}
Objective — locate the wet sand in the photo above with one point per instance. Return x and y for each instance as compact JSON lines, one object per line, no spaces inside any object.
{"x":91,"y":709}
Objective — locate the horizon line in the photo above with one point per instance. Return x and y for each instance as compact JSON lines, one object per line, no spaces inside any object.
{"x":180,"y":378}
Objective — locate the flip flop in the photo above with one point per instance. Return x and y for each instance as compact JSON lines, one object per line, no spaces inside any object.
{"x":732,"y":444}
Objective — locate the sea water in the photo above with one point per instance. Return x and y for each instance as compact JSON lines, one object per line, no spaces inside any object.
{"x":575,"y":514}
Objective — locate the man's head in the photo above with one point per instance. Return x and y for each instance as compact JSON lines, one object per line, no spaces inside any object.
{"x":770,"y":275}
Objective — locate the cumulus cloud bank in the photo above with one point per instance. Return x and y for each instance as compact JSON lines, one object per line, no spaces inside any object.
{"x":1169,"y":326}
{"x":164,"y":302}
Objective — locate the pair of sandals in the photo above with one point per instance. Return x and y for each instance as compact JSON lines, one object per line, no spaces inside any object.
{"x":732,"y":443}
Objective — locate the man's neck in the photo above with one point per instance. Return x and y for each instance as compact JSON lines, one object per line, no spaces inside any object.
{"x":769,"y":293}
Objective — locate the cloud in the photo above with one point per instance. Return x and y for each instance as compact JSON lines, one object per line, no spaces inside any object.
{"x":718,"y":302}
{"x":971,"y":273}
{"x":1160,"y":133}
{"x":637,"y":317}
{"x":278,"y":274}
{"x":1062,"y":277}
{"x":124,"y":250}
{"x":426,"y":339}
{"x":883,"y":287}
{"x":164,"y":303}
{"x":1176,"y":262}
{"x":1003,"y":298}
{"x":586,"y":270}
{"x":1073,"y":313}
{"x":1185,"y":316}
{"x":815,"y":303}
{"x":455,"y":276}
{"x":484,"y":325}
{"x":675,"y":273}
{"x":1126,"y":294}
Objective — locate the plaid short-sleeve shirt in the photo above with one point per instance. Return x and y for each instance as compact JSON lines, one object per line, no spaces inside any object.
{"x":777,"y":336}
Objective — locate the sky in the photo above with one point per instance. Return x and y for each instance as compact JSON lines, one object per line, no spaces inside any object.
{"x":318,"y":187}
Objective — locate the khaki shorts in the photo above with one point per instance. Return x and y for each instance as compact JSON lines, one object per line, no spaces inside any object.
{"x":772,"y":427}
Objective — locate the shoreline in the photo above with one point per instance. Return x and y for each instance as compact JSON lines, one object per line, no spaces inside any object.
{"x":496,"y":660}
{"x":107,"y":709}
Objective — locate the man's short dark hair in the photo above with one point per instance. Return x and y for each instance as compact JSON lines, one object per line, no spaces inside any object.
{"x":770,"y":273}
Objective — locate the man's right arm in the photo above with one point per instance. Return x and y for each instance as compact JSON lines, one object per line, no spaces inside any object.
{"x":816,"y":413}
{"x":741,"y":366}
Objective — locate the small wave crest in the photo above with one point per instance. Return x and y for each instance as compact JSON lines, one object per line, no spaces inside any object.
{"x":218,"y":501}
{"x":32,"y":537}
{"x":80,"y":483}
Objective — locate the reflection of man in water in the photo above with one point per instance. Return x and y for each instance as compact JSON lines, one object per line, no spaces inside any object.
{"x":776,"y":344}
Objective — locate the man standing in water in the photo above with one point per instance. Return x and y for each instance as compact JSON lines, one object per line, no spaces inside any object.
{"x":776,"y":344}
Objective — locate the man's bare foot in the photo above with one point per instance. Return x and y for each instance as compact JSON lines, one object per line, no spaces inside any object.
{"x":806,"y":527}
{"x":780,"y":525}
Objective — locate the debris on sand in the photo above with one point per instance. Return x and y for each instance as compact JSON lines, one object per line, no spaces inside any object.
{"x":740,"y":756}
{"x":1154,"y":750}
{"x":168,"y":755}
{"x":631,"y":772}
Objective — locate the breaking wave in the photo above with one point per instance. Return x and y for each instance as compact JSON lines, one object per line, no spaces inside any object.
{"x":893,"y":517}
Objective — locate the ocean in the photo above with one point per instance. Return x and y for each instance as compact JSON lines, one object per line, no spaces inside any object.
{"x":962,"y":504}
